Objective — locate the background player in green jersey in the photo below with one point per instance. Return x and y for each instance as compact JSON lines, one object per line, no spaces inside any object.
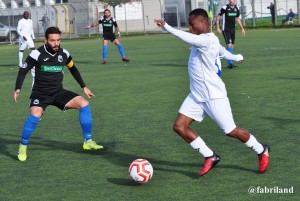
{"x":108,"y":24}
{"x":231,"y":16}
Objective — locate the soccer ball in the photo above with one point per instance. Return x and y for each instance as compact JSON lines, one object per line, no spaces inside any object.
{"x":140,"y":170}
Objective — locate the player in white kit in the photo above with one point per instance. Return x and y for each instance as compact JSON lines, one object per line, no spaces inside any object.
{"x":208,"y":95}
{"x":26,"y":37}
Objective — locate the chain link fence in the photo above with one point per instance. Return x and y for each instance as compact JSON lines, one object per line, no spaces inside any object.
{"x":254,"y":11}
{"x":136,"y":16}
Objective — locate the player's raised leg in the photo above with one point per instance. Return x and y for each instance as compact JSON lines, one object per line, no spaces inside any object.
{"x":182,"y":127}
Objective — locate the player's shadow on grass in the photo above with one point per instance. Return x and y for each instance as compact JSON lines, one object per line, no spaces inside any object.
{"x":60,"y":145}
{"x":168,"y":65}
{"x":289,"y":78}
{"x":282,"y":122}
{"x":8,"y":65}
{"x":4,"y":147}
{"x":45,"y":144}
{"x":116,"y":158}
{"x":124,"y":160}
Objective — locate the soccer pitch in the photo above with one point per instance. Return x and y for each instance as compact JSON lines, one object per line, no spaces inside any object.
{"x":133,"y":112}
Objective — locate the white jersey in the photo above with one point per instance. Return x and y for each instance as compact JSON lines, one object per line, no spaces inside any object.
{"x":25,"y":28}
{"x":204,"y":65}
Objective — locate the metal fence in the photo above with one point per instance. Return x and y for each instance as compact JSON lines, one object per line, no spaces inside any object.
{"x":136,"y":16}
{"x":258,"y":9}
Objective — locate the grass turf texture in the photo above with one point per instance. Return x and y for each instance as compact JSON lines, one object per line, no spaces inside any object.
{"x":133,"y":112}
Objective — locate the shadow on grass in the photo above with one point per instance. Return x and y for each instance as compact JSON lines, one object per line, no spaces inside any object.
{"x":115,"y":158}
{"x":168,"y":65}
{"x":8,"y":65}
{"x":56,"y":145}
{"x":289,"y":78}
{"x":281,"y":122}
{"x":4,"y":148}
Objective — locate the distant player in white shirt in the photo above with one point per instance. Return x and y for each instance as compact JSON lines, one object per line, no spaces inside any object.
{"x":26,"y":37}
{"x":208,"y":95}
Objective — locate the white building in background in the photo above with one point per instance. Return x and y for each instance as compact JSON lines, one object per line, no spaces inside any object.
{"x":176,"y":11}
{"x":72,"y":15}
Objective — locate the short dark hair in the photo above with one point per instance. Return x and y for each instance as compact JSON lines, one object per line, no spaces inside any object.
{"x":199,"y":12}
{"x":106,"y":10}
{"x":52,"y":30}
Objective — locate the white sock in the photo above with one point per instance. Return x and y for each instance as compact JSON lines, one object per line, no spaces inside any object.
{"x":199,"y":145}
{"x":20,"y":58}
{"x":254,"y":145}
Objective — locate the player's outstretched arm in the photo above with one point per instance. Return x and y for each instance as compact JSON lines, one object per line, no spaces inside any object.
{"x":190,"y":38}
{"x":88,"y":92}
{"x":92,"y":25}
{"x":225,"y":54}
{"x":159,"y":22}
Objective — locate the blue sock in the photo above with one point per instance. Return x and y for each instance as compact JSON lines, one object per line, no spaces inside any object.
{"x":86,"y":122}
{"x":121,"y":50}
{"x":231,"y":51}
{"x":29,"y":126}
{"x":104,"y":51}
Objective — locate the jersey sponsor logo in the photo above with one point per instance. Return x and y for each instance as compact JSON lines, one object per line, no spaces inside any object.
{"x":52,"y":69}
{"x":60,"y":58}
{"x":36,"y":101}
{"x":107,"y":25}
{"x":232,"y":14}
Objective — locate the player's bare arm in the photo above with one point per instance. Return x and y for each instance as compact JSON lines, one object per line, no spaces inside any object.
{"x":118,"y":32}
{"x":217,"y":24}
{"x":92,"y":25}
{"x":242,"y":28}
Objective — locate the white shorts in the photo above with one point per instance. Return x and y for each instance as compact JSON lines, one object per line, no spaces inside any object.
{"x":24,"y":44}
{"x":218,"y":109}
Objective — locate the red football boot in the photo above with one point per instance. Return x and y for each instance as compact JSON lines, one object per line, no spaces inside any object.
{"x":209,"y":163}
{"x":263,"y":159}
{"x":125,"y":59}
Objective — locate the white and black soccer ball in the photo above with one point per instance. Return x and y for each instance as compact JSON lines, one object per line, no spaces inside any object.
{"x":140,"y":170}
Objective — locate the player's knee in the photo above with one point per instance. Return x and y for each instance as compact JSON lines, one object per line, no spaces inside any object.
{"x":178,"y":128}
{"x":83,"y":102}
{"x":238,"y":133}
{"x":36,"y":113}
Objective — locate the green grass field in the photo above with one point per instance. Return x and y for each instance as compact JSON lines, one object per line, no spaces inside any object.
{"x":133,"y":113}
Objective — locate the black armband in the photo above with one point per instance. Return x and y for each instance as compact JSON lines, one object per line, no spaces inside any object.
{"x":74,"y":71}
